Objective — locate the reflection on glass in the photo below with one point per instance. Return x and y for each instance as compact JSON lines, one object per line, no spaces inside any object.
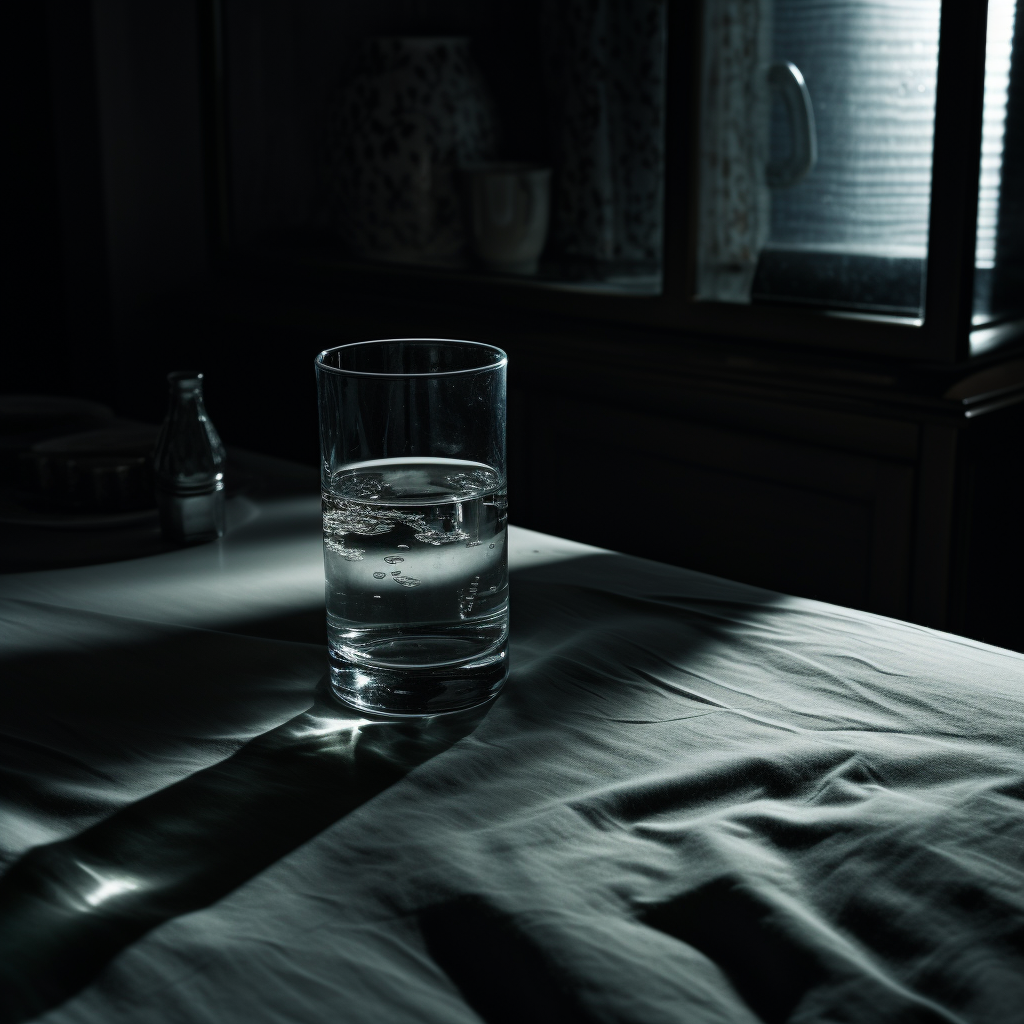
{"x":852,"y":230}
{"x":997,"y":255}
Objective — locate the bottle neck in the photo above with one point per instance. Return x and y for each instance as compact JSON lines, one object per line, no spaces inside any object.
{"x":185,"y":386}
{"x":189,"y":456}
{"x":187,"y":398}
{"x":189,"y":488}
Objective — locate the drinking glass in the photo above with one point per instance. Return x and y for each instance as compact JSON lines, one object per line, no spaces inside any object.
{"x":412,"y":444}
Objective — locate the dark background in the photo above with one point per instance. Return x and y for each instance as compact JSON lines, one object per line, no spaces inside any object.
{"x":882,"y":484}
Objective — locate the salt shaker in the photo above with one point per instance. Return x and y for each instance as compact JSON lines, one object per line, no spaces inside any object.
{"x":188,"y":466}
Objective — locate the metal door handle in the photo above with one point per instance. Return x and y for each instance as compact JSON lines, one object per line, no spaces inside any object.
{"x":787,"y":79}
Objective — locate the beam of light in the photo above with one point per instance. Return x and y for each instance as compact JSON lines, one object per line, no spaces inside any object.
{"x":315,"y":725}
{"x":107,"y":886}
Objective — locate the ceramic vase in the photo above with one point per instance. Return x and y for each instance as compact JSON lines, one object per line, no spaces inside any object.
{"x":413,"y":111}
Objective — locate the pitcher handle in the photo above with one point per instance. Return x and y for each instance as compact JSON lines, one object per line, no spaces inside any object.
{"x":786,"y":77}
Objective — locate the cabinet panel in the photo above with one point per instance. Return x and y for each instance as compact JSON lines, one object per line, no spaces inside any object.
{"x":794,"y":517}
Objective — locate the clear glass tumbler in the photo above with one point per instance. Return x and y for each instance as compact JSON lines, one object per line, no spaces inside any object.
{"x":412,"y":444}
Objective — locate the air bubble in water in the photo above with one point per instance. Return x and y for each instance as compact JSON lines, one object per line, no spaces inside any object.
{"x":393,"y":559}
{"x":490,"y":545}
{"x":378,"y":575}
{"x":363,"y":486}
{"x":396,"y":572}
{"x":439,"y":537}
{"x":337,"y":545}
{"x":403,"y":547}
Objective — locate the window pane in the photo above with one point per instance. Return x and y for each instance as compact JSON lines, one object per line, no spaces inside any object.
{"x":999,"y":246}
{"x":825,"y":109}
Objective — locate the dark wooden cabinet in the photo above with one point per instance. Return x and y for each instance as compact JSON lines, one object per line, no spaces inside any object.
{"x":779,"y":512}
{"x":894,"y":493}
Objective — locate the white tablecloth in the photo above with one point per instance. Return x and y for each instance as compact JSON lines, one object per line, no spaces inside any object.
{"x":696,"y":801}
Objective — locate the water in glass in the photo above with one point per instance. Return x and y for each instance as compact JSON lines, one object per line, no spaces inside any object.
{"x":416,"y":566}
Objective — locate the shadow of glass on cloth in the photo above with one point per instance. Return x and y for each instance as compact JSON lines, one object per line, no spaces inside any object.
{"x":67,"y":908}
{"x":602,"y":648}
{"x":99,"y":710}
{"x":695,"y":801}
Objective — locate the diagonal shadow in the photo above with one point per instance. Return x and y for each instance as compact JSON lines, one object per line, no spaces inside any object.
{"x":67,"y":908}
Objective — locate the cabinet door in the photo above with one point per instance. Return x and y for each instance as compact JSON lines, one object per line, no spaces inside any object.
{"x":794,"y":517}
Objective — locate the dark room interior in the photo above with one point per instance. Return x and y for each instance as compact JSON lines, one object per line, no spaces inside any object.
{"x":762,"y":298}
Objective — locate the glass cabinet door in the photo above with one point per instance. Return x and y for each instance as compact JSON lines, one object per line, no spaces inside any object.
{"x":539,"y":143}
{"x":817,"y":123}
{"x":519,"y":141}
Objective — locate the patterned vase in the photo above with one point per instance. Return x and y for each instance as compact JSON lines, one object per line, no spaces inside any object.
{"x":414,"y":110}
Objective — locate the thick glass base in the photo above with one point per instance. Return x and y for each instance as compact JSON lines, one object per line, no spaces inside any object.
{"x":415,"y":691}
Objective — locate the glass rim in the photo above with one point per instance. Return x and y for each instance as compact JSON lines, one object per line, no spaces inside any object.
{"x":497,"y":365}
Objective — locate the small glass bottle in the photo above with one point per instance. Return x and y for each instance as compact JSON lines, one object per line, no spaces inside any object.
{"x":188,"y":466}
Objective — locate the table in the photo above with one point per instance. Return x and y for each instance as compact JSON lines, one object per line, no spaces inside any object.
{"x":696,"y":801}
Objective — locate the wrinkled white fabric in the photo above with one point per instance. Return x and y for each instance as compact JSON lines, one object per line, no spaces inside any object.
{"x":696,"y":801}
